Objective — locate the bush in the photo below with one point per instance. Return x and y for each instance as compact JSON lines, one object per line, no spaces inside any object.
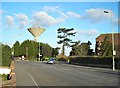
{"x":0,"y":76}
{"x":4,"y":77}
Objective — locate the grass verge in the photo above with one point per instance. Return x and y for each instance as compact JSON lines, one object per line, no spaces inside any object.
{"x":4,"y":77}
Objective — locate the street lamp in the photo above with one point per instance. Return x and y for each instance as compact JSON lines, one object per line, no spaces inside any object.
{"x":39,"y":51}
{"x":13,"y":52}
{"x":114,"y":53}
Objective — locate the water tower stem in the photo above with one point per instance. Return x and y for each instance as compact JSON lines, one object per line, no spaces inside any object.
{"x":36,"y":39}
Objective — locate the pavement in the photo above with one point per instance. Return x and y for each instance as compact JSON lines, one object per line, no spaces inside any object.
{"x":94,"y":68}
{"x":30,"y":73}
{"x":12,"y":81}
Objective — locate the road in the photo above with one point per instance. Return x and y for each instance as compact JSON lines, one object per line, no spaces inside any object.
{"x":31,"y":73}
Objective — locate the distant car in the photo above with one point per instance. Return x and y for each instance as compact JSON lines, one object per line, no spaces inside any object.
{"x":52,"y":61}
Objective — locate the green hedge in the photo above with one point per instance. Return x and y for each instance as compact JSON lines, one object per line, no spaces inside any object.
{"x":6,"y":55}
{"x":95,"y":61}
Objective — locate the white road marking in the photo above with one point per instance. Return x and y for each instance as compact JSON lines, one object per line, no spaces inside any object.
{"x":32,"y":78}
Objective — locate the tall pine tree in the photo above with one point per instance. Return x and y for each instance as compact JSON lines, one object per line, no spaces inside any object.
{"x":64,"y":36}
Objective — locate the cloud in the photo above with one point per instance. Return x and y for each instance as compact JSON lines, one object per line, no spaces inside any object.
{"x":57,"y":10}
{"x":54,"y":9}
{"x":45,"y":20}
{"x":73,"y":15}
{"x":23,"y":20}
{"x":53,"y":15}
{"x":16,"y":35}
{"x":9,"y":21}
{"x":51,"y":9}
{"x":87,"y":32}
{"x":2,"y":11}
{"x":97,"y":15}
{"x":63,"y":15}
{"x":87,"y":35}
{"x":116,"y":21}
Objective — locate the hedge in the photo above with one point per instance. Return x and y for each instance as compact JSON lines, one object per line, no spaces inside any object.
{"x":6,"y":55}
{"x":106,"y":62}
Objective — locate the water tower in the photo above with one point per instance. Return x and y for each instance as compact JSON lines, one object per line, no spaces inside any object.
{"x":36,"y":32}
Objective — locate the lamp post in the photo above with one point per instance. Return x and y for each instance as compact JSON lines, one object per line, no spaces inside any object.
{"x":13,"y":52}
{"x":39,"y":51}
{"x":114,"y":53}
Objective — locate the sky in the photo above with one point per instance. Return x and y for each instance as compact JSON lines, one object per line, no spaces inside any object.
{"x":87,"y":18}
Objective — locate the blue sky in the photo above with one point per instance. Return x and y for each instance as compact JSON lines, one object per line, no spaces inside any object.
{"x":87,"y":18}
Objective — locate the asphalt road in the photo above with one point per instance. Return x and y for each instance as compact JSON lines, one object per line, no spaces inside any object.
{"x":30,"y":73}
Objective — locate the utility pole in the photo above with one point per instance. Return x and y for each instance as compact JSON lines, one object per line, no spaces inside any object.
{"x":26,"y":51}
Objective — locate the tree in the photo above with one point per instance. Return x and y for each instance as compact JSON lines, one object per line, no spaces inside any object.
{"x":75,"y":49}
{"x":28,"y":47}
{"x":64,"y":35}
{"x":82,"y":49}
{"x":90,"y":51}
{"x":16,"y":48}
{"x":106,"y":47}
{"x":55,"y":51}
{"x":45,"y":50}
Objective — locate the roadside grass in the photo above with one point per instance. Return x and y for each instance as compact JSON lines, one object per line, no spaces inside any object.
{"x":0,"y":76}
{"x":31,"y":59}
{"x":4,"y":77}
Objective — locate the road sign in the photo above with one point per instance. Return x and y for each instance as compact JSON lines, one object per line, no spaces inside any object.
{"x":114,"y":52}
{"x":40,"y":54}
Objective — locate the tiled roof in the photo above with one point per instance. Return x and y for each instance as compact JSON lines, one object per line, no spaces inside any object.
{"x":116,"y":38}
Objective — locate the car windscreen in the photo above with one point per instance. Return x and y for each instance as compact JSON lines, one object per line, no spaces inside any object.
{"x":52,"y":59}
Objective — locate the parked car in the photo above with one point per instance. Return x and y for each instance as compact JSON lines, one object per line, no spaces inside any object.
{"x":52,"y":61}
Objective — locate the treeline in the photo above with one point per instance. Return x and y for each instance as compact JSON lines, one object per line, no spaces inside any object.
{"x":29,"y":48}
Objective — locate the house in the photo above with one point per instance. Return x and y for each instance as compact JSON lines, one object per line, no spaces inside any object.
{"x":102,"y":37}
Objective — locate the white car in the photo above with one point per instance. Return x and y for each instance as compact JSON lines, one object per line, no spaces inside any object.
{"x":51,"y":61}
